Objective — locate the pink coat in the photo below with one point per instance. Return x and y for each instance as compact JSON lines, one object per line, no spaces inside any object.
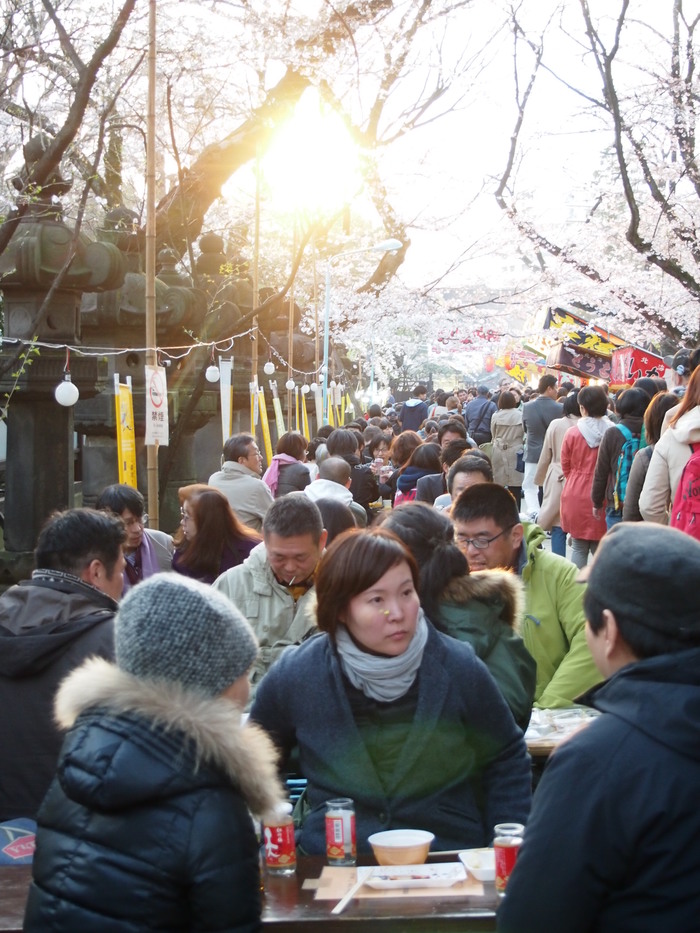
{"x":578,"y":462}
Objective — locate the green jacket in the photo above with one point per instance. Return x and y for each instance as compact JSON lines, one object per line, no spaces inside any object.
{"x":484,"y":609}
{"x":553,"y":627}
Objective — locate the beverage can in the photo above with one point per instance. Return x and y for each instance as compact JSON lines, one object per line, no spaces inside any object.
{"x":508,"y":837}
{"x":341,"y":846}
{"x":279,"y":845}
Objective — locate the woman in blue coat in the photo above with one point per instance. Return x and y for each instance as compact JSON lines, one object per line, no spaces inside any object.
{"x":386,"y":710}
{"x":146,"y":826}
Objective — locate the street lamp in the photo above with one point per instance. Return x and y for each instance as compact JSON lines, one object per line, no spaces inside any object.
{"x":386,"y":246}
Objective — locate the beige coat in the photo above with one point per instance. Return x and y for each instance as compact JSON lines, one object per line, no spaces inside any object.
{"x":506,"y":439}
{"x":671,"y":454}
{"x":549,"y":473}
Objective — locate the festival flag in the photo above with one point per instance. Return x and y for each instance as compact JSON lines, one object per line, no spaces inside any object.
{"x":126,"y":438}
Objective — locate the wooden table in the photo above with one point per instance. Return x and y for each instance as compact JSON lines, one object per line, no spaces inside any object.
{"x":288,"y":907}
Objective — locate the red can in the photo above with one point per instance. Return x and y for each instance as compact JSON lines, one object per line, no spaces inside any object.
{"x":278,"y":842}
{"x":506,"y":844}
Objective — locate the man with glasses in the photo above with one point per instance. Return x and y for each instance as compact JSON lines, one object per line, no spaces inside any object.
{"x":239,"y":480}
{"x":146,"y":551}
{"x":489,"y":532}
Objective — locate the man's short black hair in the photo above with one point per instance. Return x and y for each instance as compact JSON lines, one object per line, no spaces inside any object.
{"x":469,"y":464}
{"x":292,"y":515}
{"x":237,"y":446}
{"x":70,"y":540}
{"x":486,"y":500}
{"x":119,"y":497}
{"x":546,"y":382}
{"x":451,"y":427}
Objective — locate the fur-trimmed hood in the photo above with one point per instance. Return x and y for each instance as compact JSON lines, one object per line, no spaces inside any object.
{"x":492,"y":587}
{"x":175,"y":735}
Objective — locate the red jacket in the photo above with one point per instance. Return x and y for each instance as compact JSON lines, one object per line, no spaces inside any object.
{"x":578,"y":462}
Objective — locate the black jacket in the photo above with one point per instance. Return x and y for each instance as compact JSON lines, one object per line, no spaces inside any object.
{"x":48,"y":626}
{"x":363,"y":483}
{"x":146,"y":826}
{"x":611,"y":845}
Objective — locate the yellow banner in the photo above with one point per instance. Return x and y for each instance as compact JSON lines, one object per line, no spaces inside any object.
{"x":264,"y":425}
{"x":305,"y":418}
{"x":126,"y":438}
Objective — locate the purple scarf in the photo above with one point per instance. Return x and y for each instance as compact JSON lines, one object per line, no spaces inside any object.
{"x":272,"y":473}
{"x":145,"y":564}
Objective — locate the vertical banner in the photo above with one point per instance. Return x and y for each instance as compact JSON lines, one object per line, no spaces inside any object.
{"x":318,"y":398}
{"x":262,"y":409}
{"x":253,"y":406}
{"x":226,"y":391}
{"x":156,"y":406}
{"x":296,"y":409}
{"x":336,"y":395}
{"x":305,"y":418}
{"x":126,"y":438}
{"x":277,"y":405}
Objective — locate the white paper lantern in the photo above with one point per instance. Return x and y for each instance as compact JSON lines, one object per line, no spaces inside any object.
{"x":212,"y":373}
{"x":332,"y":383}
{"x":305,"y":389}
{"x":269,"y":368}
{"x":66,"y":393}
{"x":313,"y":386}
{"x":289,"y":384}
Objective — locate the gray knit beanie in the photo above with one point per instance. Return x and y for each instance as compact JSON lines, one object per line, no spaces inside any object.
{"x":172,"y":628}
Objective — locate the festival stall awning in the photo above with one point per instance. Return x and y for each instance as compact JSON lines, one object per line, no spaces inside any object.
{"x":577,"y":362}
{"x":632,"y":363}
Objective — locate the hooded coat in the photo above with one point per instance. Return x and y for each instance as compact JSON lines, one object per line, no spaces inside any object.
{"x":671,"y":453}
{"x":484,"y":608}
{"x":579,"y":455}
{"x":48,"y":626}
{"x":615,"y":820}
{"x":146,"y":826}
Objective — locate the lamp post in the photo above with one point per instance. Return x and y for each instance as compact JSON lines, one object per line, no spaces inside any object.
{"x":386,"y":246}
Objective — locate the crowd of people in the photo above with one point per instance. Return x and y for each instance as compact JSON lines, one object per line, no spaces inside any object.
{"x":379,"y":611}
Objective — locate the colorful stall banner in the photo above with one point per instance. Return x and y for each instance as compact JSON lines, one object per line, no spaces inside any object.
{"x":226,"y":393}
{"x":631,"y":363}
{"x":578,"y":362}
{"x":156,"y":406}
{"x":126,"y":437}
{"x":264,"y":424}
{"x":296,"y":410}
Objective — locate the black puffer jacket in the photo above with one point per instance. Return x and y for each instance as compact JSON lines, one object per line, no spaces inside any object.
{"x":146,"y":826}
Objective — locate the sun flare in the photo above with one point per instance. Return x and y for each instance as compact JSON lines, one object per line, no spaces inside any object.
{"x":312,"y":163}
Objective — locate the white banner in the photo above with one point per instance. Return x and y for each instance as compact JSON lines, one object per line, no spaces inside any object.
{"x":225,"y":382}
{"x":156,"y":406}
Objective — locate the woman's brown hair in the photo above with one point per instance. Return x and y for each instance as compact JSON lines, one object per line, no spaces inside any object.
{"x":690,"y":399}
{"x":217,"y":526}
{"x":352,"y":564}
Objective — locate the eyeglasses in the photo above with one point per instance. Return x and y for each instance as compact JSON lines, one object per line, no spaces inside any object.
{"x":143,"y":521}
{"x":481,"y":542}
{"x":186,"y":517}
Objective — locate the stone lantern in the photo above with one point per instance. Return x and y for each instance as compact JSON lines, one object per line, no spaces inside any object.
{"x":40,"y":446}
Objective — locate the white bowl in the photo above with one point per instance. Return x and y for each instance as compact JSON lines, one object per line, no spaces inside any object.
{"x":479,"y":862}
{"x":401,"y":846}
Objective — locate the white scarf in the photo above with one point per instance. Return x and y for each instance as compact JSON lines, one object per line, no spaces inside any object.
{"x":380,"y":678}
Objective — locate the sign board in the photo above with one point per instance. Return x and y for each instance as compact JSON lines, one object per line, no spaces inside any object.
{"x":156,"y":406}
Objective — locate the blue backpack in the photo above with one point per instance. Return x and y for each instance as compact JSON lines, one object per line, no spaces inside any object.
{"x":624,"y":465}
